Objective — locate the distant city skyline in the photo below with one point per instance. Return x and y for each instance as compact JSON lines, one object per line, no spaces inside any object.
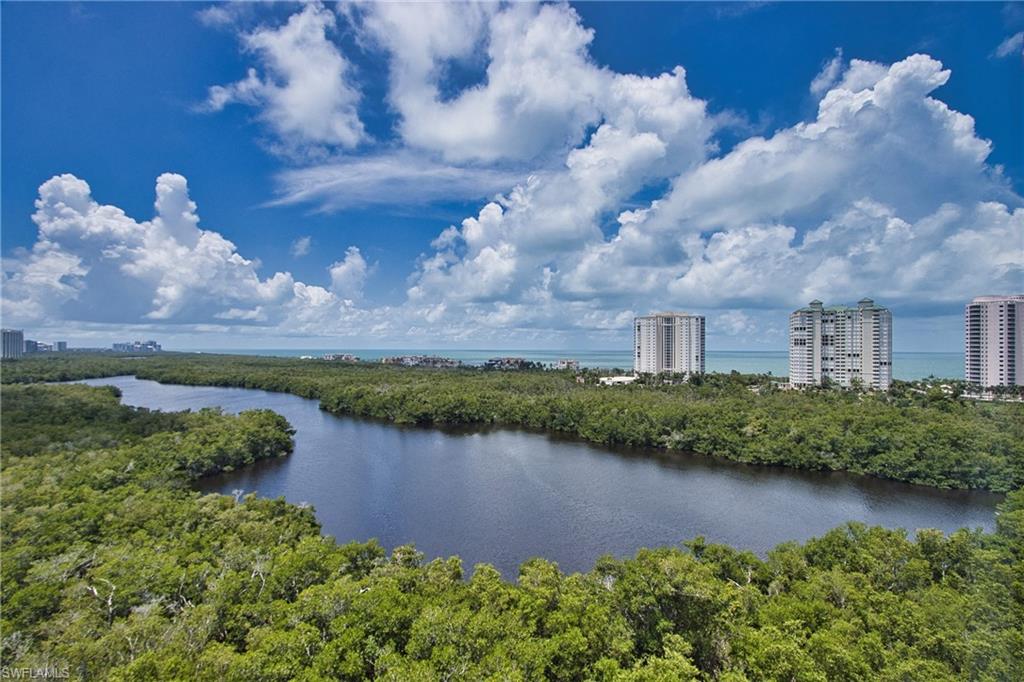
{"x":99,"y":340}
{"x":511,"y":176}
{"x":212,"y":343}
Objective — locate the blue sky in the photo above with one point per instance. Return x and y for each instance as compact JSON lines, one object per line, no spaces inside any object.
{"x":504,"y":176}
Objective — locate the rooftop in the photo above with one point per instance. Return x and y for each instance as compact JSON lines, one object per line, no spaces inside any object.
{"x":817,"y":305}
{"x":997,"y":298}
{"x":669,"y":313}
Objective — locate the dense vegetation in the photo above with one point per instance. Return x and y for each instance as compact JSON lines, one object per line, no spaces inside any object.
{"x":927,"y":437}
{"x":114,"y":569}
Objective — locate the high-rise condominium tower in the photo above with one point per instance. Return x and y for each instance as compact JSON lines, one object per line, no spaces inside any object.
{"x":13,"y":343}
{"x":994,"y":341}
{"x":844,"y":345}
{"x":668,"y":342}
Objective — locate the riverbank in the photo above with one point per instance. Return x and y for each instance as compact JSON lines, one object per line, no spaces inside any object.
{"x":113,"y":568}
{"x":925,"y":438}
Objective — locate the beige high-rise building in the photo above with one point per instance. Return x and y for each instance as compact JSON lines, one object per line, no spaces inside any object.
{"x":668,"y":342}
{"x":994,"y":341}
{"x":841,"y":344}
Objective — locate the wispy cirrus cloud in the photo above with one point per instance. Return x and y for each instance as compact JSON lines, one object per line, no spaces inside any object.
{"x":390,"y":178}
{"x":1013,"y":45}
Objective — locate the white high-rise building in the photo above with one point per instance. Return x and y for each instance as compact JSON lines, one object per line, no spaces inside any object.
{"x":842,"y":344}
{"x":13,"y":343}
{"x":994,"y":341}
{"x":668,"y":342}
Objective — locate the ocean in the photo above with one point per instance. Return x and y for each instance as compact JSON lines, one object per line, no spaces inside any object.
{"x":906,"y":366}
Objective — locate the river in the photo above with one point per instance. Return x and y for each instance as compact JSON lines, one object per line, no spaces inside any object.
{"x":502,"y":496}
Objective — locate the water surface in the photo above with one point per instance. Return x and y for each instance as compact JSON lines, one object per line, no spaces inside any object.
{"x":501,"y":496}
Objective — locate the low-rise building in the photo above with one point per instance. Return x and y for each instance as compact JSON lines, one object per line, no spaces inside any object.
{"x":617,"y":381}
{"x":137,"y":347}
{"x":421,"y":361}
{"x":510,"y":364}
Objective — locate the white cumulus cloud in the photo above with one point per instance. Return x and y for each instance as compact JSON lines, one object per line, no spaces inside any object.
{"x":348,"y":275}
{"x":887,"y":192}
{"x":303,"y":89}
{"x":652,"y":129}
{"x":92,"y":263}
{"x":539,"y":90}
